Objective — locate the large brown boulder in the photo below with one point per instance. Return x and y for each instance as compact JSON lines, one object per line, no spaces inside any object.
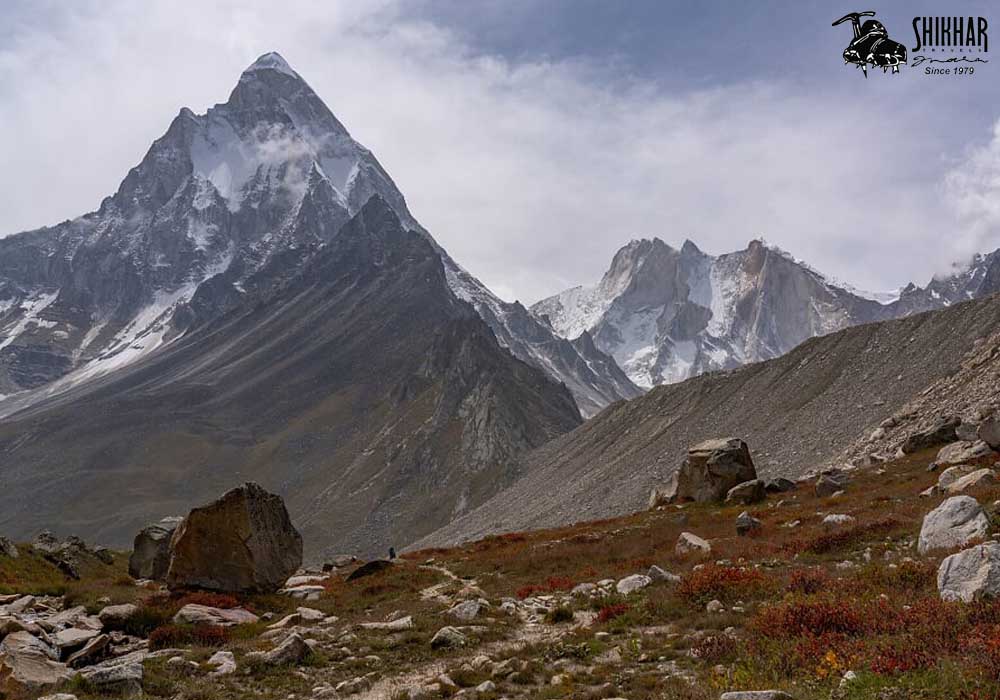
{"x":243,"y":542}
{"x":151,"y":550}
{"x":710,"y":470}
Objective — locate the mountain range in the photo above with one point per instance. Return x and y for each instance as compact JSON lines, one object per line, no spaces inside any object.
{"x":256,"y":301}
{"x":667,"y":314}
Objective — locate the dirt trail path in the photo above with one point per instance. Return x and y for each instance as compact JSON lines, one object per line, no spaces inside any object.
{"x":527,"y":633}
{"x":387,"y":687}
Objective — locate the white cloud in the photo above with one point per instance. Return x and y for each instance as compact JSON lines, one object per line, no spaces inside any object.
{"x":531,"y":174}
{"x":972,"y":187}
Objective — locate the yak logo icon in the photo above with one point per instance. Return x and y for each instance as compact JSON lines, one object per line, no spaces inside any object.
{"x":871,"y":45}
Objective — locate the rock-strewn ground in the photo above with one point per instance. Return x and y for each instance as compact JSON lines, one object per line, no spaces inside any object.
{"x":840,"y":607}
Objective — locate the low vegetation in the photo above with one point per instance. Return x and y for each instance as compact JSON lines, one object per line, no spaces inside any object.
{"x":796,"y":608}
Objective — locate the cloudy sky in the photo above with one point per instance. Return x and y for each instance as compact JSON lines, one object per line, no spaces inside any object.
{"x":535,"y":138}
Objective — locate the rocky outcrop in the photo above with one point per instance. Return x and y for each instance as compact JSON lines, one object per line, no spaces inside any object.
{"x":689,"y":543}
{"x":941,"y":433}
{"x":954,"y":523}
{"x":448,"y":637}
{"x":68,"y":554}
{"x":830,"y":482}
{"x":119,"y":677}
{"x":290,"y":652}
{"x":29,"y":666}
{"x":746,"y":524}
{"x":151,"y":550}
{"x":630,"y":584}
{"x":962,"y":452}
{"x":242,"y":542}
{"x":989,"y":432}
{"x":709,"y":471}
{"x":194,"y":614}
{"x":747,"y":493}
{"x":972,"y":574}
{"x":976,"y":479}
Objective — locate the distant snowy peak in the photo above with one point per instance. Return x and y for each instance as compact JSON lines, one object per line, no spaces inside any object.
{"x":884,"y":297}
{"x":665,"y":314}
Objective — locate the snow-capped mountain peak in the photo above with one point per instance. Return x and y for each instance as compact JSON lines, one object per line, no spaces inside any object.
{"x":223,"y":206}
{"x":270,"y":61}
{"x":666,"y":314}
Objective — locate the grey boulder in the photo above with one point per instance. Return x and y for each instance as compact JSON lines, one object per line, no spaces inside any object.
{"x":940,"y":433}
{"x":962,"y":452}
{"x":830,"y":482}
{"x":120,"y":679}
{"x":976,"y":479}
{"x":989,"y":432}
{"x":747,"y":493}
{"x":746,"y":524}
{"x":970,"y":575}
{"x":956,"y":522}
{"x":290,"y":652}
{"x":448,"y":637}
{"x":151,"y":550}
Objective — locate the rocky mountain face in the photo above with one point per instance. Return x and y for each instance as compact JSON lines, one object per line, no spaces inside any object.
{"x":816,"y":406}
{"x":254,"y":184}
{"x":666,"y":314}
{"x":256,"y":301}
{"x":593,"y":376}
{"x":353,"y":383}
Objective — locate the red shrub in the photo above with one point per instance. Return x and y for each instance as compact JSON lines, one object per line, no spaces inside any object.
{"x":497,"y":541}
{"x":209,"y":635}
{"x":610,"y":612}
{"x":985,"y":648}
{"x":901,"y":655}
{"x":833,"y":541}
{"x":812,"y":617}
{"x":726,"y":583}
{"x":908,"y":576}
{"x":552,"y":584}
{"x":809,"y":581}
{"x":528,"y":591}
{"x":212,"y":600}
{"x":559,"y":583}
